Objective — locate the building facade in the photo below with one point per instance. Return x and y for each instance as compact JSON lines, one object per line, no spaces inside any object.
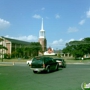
{"x":11,"y":45}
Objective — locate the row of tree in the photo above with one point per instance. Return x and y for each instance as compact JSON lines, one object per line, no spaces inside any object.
{"x":31,"y":50}
{"x":78,"y":48}
{"x":27,"y":51}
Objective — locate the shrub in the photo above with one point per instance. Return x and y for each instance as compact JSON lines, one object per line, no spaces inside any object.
{"x":7,"y":56}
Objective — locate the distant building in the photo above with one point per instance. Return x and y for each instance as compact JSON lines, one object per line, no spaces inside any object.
{"x":42,"y":38}
{"x":49,"y":51}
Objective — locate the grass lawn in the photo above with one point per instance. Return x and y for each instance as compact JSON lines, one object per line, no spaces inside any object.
{"x":14,"y":78}
{"x":14,"y":60}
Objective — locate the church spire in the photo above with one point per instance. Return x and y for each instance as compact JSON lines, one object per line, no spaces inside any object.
{"x":42,"y":25}
{"x":42,"y":38}
{"x":42,"y":31}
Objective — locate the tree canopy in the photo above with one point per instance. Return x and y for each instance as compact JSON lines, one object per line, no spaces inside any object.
{"x":31,"y":50}
{"x":78,"y":48}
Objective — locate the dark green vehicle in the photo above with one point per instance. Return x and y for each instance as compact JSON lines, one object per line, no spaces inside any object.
{"x":41,"y":63}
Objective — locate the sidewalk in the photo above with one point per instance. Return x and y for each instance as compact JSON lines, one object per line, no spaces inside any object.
{"x":12,"y":63}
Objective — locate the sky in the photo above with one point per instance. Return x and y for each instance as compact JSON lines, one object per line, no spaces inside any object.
{"x":64,"y":20}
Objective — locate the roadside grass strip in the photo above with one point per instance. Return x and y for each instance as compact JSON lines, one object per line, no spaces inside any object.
{"x":6,"y":64}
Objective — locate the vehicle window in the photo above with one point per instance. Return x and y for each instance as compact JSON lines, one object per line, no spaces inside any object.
{"x":37,"y":60}
{"x":51,"y":60}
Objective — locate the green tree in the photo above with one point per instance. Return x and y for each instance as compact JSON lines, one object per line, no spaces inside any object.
{"x":34,"y":48}
{"x":29,"y":51}
{"x":19,"y":52}
{"x":78,"y":48}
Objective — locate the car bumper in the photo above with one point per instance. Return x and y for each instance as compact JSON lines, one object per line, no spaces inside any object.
{"x":38,"y":69}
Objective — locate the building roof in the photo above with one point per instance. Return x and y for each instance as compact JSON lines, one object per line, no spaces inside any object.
{"x":16,"y":41}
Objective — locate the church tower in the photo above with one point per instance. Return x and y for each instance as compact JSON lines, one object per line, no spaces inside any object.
{"x":42,"y":38}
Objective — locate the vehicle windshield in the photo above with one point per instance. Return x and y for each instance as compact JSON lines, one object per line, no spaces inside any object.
{"x":37,"y":59}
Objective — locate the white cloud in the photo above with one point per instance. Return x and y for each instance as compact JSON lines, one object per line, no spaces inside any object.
{"x":36,"y":16}
{"x":4,"y":24}
{"x":57,"y":42}
{"x":29,"y":38}
{"x":71,"y":40}
{"x":57,"y":16}
{"x":80,"y":39}
{"x":82,"y":22}
{"x":43,"y":8}
{"x":88,"y":13}
{"x":72,"y":29}
{"x":60,"y":44}
{"x":74,"y":40}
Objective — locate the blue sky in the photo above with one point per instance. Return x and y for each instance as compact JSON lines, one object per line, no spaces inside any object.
{"x":64,"y":20}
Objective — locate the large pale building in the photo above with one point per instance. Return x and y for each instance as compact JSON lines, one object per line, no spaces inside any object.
{"x":42,"y":38}
{"x":11,"y":45}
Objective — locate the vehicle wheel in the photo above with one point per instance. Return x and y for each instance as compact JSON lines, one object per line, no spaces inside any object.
{"x":48,"y":70}
{"x":34,"y":71}
{"x":57,"y":67}
{"x":64,"y":66}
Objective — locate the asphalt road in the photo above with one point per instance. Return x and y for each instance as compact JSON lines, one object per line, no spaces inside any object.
{"x":20,"y":77}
